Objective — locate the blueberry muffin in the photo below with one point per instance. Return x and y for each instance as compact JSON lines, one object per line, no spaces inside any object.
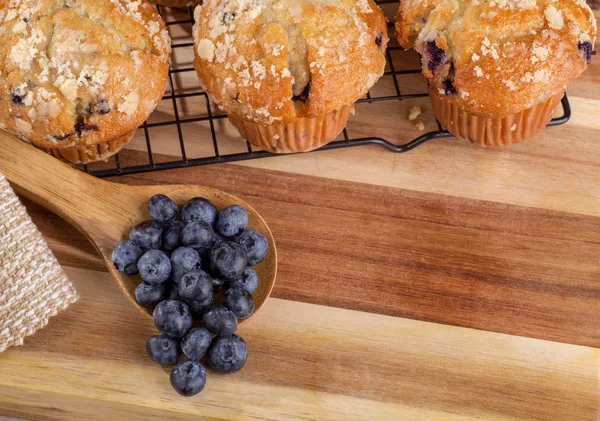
{"x":77,"y":77}
{"x":288,"y":72}
{"x":496,"y":70}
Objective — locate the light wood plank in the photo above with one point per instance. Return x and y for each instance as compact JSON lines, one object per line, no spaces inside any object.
{"x":306,"y":362}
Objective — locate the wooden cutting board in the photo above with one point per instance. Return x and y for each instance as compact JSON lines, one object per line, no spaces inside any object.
{"x":449,"y":283}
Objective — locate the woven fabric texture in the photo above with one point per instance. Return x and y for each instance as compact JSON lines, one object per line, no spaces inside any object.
{"x":33,"y":286}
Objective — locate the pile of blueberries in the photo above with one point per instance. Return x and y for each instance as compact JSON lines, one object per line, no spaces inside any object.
{"x":183,"y":265}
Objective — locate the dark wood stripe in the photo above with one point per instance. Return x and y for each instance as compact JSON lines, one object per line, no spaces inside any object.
{"x":463,"y":262}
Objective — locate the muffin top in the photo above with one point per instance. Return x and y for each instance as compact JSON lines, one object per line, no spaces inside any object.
{"x":497,"y":58}
{"x":79,"y":71}
{"x":273,"y":61}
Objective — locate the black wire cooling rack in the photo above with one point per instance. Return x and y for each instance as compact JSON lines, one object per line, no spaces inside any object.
{"x":182,"y":20}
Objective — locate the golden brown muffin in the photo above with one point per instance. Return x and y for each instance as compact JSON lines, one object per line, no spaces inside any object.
{"x":496,"y":70}
{"x":289,"y":71}
{"x":78,"y":74}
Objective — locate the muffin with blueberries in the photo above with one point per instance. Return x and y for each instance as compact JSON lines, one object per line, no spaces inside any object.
{"x":77,"y":77}
{"x":497,"y":70}
{"x":289,"y":72}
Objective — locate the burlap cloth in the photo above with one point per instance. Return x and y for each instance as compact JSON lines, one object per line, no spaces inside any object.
{"x":33,"y":286}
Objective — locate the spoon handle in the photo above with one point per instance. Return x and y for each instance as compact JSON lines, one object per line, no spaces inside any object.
{"x":48,"y":181}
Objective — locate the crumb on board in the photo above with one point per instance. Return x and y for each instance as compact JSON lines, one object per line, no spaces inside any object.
{"x":419,"y":125}
{"x":414,"y":112}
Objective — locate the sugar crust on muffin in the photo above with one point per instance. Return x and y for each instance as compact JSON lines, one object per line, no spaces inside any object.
{"x":500,"y":57}
{"x":76,"y":72}
{"x":274,"y":61}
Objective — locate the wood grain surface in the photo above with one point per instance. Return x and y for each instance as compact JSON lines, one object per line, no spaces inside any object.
{"x":459,"y":261}
{"x":307,"y":362}
{"x":448,"y":283}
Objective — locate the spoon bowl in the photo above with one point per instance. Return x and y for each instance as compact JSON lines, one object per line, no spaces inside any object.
{"x":105,"y":211}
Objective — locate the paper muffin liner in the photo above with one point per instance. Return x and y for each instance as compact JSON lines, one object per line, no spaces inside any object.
{"x":303,"y":135}
{"x":83,"y":154}
{"x":493,"y":131}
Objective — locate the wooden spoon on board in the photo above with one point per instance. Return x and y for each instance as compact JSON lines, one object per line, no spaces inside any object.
{"x":105,"y":212}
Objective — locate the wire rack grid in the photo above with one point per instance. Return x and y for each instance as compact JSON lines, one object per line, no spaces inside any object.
{"x":146,"y":158}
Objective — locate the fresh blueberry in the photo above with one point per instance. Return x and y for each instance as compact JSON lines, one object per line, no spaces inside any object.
{"x":228,"y":260}
{"x":184,"y":260}
{"x":162,"y":350}
{"x":204,"y":252}
{"x":195,"y":343}
{"x":195,"y":286}
{"x":147,"y":235}
{"x":227,"y":354}
{"x":231,"y":221}
{"x":239,"y":301}
{"x":188,"y":378}
{"x":162,"y":208}
{"x":199,"y":209}
{"x":148,"y":295}
{"x":172,"y":236}
{"x":255,"y":244}
{"x":198,"y":307}
{"x":125,"y":257}
{"x":197,"y":234}
{"x":248,"y":281}
{"x":154,"y":267}
{"x":220,"y":320}
{"x":173,"y":318}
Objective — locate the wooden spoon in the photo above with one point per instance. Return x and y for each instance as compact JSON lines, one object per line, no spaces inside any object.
{"x":105,"y":212}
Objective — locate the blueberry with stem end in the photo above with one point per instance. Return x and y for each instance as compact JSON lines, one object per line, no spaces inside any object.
{"x":184,"y":260}
{"x":228,"y":260}
{"x":162,"y":208}
{"x":195,"y":286}
{"x":173,"y":318}
{"x":231,"y":221}
{"x":199,"y":209}
{"x":147,"y":235}
{"x":255,"y":244}
{"x":197,"y":234}
{"x":248,"y":281}
{"x":162,"y":350}
{"x":220,"y":320}
{"x":188,"y":378}
{"x":239,"y":301}
{"x":227,"y":354}
{"x":195,"y":343}
{"x":125,"y":256}
{"x":154,"y":267}
{"x":148,"y":295}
